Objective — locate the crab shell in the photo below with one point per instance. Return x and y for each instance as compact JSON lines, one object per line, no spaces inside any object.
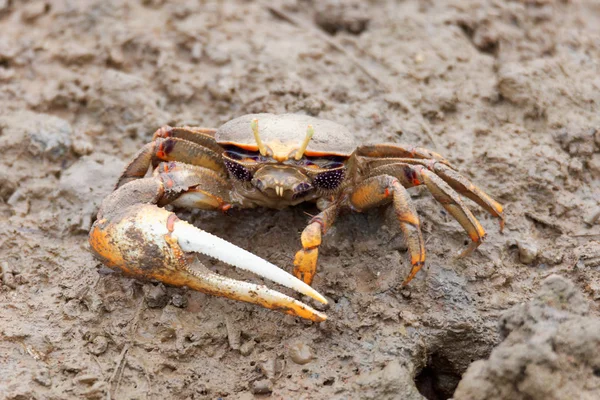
{"x":283,"y":134}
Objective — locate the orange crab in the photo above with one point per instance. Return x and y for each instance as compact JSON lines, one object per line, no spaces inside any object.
{"x":270,"y":161}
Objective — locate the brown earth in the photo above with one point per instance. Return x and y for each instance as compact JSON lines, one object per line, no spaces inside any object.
{"x":509,"y":91}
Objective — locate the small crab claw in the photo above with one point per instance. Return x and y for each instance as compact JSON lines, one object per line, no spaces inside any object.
{"x":149,"y":242}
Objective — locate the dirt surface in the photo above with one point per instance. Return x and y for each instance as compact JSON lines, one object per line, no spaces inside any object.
{"x":550,"y":351}
{"x":508,"y":91}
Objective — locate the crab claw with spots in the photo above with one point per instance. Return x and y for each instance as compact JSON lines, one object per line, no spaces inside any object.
{"x":135,"y":236}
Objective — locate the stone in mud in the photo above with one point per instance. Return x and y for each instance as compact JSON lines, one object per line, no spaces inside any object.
{"x":301,"y":353}
{"x":156,"y":296}
{"x":39,"y":134}
{"x":550,"y":351}
{"x":393,"y":381}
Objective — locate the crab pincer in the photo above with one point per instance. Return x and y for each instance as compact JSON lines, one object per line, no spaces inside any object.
{"x":149,"y":242}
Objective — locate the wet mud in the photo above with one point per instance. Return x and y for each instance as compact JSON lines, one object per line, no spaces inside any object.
{"x":507,"y":91}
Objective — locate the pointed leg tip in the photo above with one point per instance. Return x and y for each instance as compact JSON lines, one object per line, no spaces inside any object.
{"x":469,"y":250}
{"x":411,"y":276}
{"x":407,"y":280}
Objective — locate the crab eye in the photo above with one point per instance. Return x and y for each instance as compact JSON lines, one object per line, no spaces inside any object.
{"x":238,"y":171}
{"x":329,"y":180}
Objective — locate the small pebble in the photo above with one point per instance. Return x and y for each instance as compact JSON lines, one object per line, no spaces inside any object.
{"x":269,"y":368}
{"x":592,"y":217}
{"x":156,"y":296}
{"x":264,"y":386}
{"x":87,"y":379}
{"x":301,"y":353}
{"x":528,"y":252}
{"x":98,"y":346}
{"x":409,"y":318}
{"x":217,"y":55}
{"x":43,"y":378}
{"x":179,"y":300}
{"x":9,"y":280}
{"x":197,"y":51}
{"x":247,"y":347}
{"x":575,"y":166}
{"x":82,"y":147}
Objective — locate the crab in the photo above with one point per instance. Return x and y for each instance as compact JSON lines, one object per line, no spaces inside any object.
{"x":275,"y":161}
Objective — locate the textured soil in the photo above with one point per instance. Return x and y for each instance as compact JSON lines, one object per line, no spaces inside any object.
{"x":508,"y":91}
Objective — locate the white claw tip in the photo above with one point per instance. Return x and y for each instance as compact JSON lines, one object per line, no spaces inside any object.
{"x":192,"y":239}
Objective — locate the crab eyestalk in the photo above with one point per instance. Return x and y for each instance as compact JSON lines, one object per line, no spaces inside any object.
{"x":309,"y":134}
{"x":261,"y":146}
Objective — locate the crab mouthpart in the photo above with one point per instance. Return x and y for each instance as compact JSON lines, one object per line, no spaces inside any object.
{"x":280,"y":181}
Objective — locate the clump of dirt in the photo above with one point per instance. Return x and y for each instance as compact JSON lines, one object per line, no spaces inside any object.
{"x":506,"y":90}
{"x":549,"y":350}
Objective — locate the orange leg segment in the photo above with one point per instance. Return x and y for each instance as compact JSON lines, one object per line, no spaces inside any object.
{"x":403,"y":169}
{"x":382,"y":189}
{"x":305,"y":261}
{"x":171,"y":149}
{"x":413,"y":175}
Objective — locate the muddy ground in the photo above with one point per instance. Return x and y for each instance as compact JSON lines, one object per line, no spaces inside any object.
{"x":509,"y":91}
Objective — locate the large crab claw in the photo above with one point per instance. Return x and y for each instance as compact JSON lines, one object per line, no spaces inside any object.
{"x":149,"y":242}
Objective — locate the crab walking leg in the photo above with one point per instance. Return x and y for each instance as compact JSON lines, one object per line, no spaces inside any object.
{"x":382,"y":189}
{"x":202,"y":136}
{"x":192,"y":186}
{"x":389,"y":150}
{"x":463,"y":186}
{"x":305,"y":261}
{"x":414,"y":175}
{"x":170,"y":149}
{"x":456,"y":181}
{"x":452,"y":202}
{"x":192,"y":239}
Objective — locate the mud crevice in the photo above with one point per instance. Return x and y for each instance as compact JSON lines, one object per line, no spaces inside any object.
{"x":439,"y":378}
